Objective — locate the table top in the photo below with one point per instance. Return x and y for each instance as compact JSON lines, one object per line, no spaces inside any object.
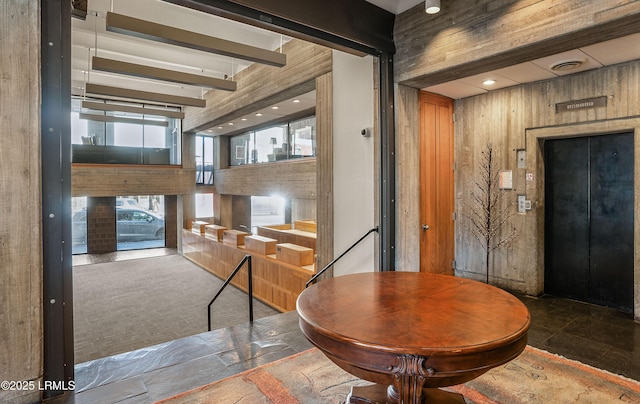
{"x":412,"y":313}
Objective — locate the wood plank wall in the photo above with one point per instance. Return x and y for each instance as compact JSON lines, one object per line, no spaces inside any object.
{"x":20,"y":198}
{"x":276,"y":283}
{"x":503,"y":118}
{"x":469,"y":37}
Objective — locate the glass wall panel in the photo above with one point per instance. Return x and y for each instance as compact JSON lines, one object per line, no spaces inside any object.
{"x":204,"y":160}
{"x":103,"y":141}
{"x":79,"y":225}
{"x":275,"y":143}
{"x":266,"y":210}
{"x":140,"y":222}
{"x":204,"y":205}
{"x":239,"y":149}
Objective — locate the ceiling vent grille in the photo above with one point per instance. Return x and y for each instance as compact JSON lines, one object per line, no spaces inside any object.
{"x":567,"y":64}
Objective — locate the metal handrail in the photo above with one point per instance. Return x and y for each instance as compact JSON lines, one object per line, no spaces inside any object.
{"x":314,"y":277}
{"x":247,"y":259}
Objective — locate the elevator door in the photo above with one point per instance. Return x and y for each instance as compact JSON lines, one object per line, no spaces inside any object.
{"x":589,"y":219}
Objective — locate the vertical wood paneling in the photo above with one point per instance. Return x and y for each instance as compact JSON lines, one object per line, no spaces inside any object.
{"x":275,"y":283}
{"x":436,"y":183}
{"x":20,"y":196}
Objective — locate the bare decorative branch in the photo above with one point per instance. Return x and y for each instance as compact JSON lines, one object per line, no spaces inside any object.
{"x":487,"y":218}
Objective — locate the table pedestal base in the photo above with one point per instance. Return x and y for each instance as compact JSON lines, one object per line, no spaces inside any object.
{"x":377,"y":394}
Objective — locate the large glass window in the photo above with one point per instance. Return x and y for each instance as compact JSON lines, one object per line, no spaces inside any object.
{"x":204,"y":205}
{"x":114,"y":137}
{"x":204,"y":160}
{"x":140,"y":222}
{"x":293,"y":139}
{"x":267,"y":210}
{"x":79,"y":225}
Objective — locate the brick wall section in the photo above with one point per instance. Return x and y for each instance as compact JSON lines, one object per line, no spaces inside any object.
{"x":171,"y":221}
{"x":101,"y":225}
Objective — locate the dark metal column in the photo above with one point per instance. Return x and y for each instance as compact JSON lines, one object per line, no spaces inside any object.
{"x":56,"y":194}
{"x":387,"y":166}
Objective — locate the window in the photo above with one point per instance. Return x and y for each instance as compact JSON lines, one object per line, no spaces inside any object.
{"x":204,"y":160}
{"x":79,"y":225}
{"x":152,"y":140}
{"x":267,"y":210}
{"x":293,"y":139}
{"x":204,"y":205}
{"x":140,"y":222}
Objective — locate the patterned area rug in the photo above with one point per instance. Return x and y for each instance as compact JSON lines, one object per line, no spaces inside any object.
{"x":309,"y":377}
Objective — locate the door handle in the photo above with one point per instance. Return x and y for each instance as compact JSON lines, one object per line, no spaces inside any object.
{"x":425,"y":227}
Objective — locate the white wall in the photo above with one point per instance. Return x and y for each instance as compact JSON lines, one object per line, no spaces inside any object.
{"x":353,"y":162}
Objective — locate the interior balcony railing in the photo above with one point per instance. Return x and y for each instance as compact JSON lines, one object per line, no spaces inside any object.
{"x":247,"y":260}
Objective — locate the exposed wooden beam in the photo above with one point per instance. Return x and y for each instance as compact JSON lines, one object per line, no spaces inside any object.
{"x":175,"y":36}
{"x":101,"y":106}
{"x":108,"y":118}
{"x":150,"y":72}
{"x":120,"y":92}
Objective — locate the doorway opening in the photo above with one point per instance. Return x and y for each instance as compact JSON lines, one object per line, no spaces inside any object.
{"x":589,"y":219}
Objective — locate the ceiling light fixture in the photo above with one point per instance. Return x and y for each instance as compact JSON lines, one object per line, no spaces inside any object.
{"x":109,"y":118}
{"x":296,"y":101}
{"x":274,"y":107}
{"x":164,"y":99}
{"x":489,"y":82}
{"x":258,"y":114}
{"x":150,"y":72}
{"x":100,"y":106}
{"x":432,"y":6}
{"x":123,"y":24}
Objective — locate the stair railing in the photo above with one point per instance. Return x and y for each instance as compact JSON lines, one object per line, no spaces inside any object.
{"x":329,"y":265}
{"x":247,"y":259}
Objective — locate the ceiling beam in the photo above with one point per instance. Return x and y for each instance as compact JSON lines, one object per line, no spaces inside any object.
{"x":175,"y":36}
{"x":156,"y":73}
{"x":120,"y":92}
{"x":101,"y":106}
{"x":108,"y":118}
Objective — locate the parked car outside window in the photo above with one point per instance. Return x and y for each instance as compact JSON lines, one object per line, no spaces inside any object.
{"x":135,"y":224}
{"x":132,"y":224}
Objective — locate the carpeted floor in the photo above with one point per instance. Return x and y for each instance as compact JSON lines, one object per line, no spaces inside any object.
{"x":126,"y":305}
{"x":535,"y":377}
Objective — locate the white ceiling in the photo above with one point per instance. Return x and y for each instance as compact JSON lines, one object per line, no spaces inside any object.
{"x":90,"y":37}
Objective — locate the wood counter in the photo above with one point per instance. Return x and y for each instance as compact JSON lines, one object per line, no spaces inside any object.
{"x":275,"y":283}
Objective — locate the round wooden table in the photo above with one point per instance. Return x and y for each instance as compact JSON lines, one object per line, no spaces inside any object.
{"x":412,"y":332}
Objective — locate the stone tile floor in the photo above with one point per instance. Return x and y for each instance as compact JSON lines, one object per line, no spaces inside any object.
{"x":598,"y":336}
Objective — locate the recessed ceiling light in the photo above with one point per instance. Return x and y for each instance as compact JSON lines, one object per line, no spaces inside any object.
{"x":219,"y":127}
{"x":275,"y":107}
{"x":489,"y":82}
{"x":296,"y":101}
{"x":230,"y":123}
{"x":209,"y":130}
{"x":243,"y":119}
{"x":258,"y":114}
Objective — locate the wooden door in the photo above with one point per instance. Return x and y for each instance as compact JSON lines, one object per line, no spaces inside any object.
{"x":436,"y":184}
{"x":589,"y":201}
